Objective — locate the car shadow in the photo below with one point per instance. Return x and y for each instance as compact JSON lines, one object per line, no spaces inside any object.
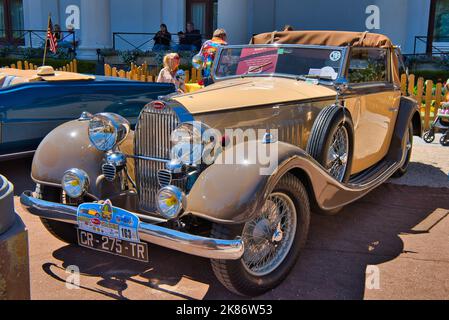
{"x":18,"y":173}
{"x":420,"y":174}
{"x":166,"y":269}
{"x":340,"y":248}
{"x":332,"y":266}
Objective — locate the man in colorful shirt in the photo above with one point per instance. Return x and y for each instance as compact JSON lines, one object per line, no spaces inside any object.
{"x":209,"y":50}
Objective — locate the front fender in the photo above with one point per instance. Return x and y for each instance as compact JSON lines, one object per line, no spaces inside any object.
{"x":67,"y":147}
{"x":235,"y":193}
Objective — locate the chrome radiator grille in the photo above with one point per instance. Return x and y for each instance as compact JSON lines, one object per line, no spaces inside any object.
{"x":152,"y":139}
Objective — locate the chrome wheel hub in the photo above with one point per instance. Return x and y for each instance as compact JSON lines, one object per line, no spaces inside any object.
{"x":269,"y":237}
{"x":338,"y":154}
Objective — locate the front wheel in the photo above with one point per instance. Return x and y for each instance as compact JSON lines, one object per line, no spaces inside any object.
{"x":429,"y":136}
{"x":273,"y":241}
{"x":63,"y":231}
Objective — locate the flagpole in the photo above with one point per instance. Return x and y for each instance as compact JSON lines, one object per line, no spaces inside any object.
{"x":46,"y":40}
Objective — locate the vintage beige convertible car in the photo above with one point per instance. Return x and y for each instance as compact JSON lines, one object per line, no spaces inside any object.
{"x":296,"y":122}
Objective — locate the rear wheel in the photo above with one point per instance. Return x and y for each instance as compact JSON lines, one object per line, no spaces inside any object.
{"x":409,"y":148}
{"x":63,"y":231}
{"x":444,"y":140}
{"x":273,"y":241}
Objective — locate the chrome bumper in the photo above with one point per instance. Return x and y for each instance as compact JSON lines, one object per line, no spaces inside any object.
{"x":165,"y":237}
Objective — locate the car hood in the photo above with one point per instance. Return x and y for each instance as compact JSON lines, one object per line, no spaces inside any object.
{"x":247,"y":92}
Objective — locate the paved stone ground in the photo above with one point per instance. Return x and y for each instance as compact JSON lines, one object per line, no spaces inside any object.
{"x":429,"y":166}
{"x":401,"y":229}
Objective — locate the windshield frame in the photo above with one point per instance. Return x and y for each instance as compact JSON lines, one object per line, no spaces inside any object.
{"x":341,"y":72}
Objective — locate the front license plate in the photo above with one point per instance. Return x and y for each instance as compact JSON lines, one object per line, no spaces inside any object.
{"x":132,"y":250}
{"x":107,"y":220}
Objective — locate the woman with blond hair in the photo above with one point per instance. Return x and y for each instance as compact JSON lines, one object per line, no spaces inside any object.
{"x":169,"y":73}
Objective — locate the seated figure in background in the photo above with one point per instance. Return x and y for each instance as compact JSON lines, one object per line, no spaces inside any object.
{"x":162,"y":39}
{"x":190,"y":40}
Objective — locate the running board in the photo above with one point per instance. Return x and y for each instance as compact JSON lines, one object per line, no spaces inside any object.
{"x":372,"y":173}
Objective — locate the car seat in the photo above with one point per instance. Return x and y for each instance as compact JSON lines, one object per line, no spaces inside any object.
{"x":7,"y":82}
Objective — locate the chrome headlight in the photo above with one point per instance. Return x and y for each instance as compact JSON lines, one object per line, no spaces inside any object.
{"x":75,"y":183}
{"x":187,"y":144}
{"x":107,"y":130}
{"x":170,"y":201}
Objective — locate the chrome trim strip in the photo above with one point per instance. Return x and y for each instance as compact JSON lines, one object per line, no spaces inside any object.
{"x":165,"y":237}
{"x":148,"y":158}
{"x":18,"y":155}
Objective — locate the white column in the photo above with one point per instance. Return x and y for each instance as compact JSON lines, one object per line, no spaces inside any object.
{"x":233,"y":17}
{"x":35,"y":17}
{"x":95,"y":28}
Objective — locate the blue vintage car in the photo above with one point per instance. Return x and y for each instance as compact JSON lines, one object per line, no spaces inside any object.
{"x":32,"y":103}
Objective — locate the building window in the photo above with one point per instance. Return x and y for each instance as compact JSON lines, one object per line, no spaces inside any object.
{"x":11,"y":21}
{"x":203,"y":13}
{"x":441,"y":28}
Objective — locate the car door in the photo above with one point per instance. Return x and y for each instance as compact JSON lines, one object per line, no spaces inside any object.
{"x":370,"y":77}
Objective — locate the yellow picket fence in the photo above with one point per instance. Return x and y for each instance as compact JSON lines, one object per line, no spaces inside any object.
{"x":145,"y":73}
{"x":25,"y":65}
{"x":425,"y":94}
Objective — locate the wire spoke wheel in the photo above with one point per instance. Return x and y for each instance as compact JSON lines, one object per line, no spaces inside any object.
{"x":269,"y":237}
{"x":337,"y":154}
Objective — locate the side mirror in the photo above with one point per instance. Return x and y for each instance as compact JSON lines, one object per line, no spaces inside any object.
{"x":341,"y":85}
{"x":198,"y":62}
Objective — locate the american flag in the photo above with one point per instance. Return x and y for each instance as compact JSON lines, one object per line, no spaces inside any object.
{"x":51,"y":38}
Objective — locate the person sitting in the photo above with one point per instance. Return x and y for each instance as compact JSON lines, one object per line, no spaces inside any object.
{"x":58,"y":32}
{"x":190,"y":40}
{"x":288,"y":28}
{"x":169,"y":74}
{"x":162,"y":39}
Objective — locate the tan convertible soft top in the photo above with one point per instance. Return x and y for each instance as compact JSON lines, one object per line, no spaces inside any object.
{"x":325,"y":38}
{"x":331,"y":38}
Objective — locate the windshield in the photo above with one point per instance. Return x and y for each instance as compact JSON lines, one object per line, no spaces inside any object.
{"x":322,"y":63}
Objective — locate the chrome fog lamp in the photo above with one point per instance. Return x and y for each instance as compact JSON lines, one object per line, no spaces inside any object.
{"x":107,"y":130}
{"x":170,"y":202}
{"x":75,"y":183}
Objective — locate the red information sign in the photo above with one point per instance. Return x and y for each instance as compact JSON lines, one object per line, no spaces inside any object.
{"x":257,"y":60}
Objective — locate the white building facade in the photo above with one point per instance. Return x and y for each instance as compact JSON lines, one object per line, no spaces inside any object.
{"x":96,"y":21}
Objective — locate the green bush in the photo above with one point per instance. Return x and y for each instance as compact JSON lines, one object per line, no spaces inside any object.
{"x":434,"y":75}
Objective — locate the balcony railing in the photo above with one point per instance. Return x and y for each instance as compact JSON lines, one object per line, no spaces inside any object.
{"x":439,"y":45}
{"x":143,"y":41}
{"x":36,"y":39}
